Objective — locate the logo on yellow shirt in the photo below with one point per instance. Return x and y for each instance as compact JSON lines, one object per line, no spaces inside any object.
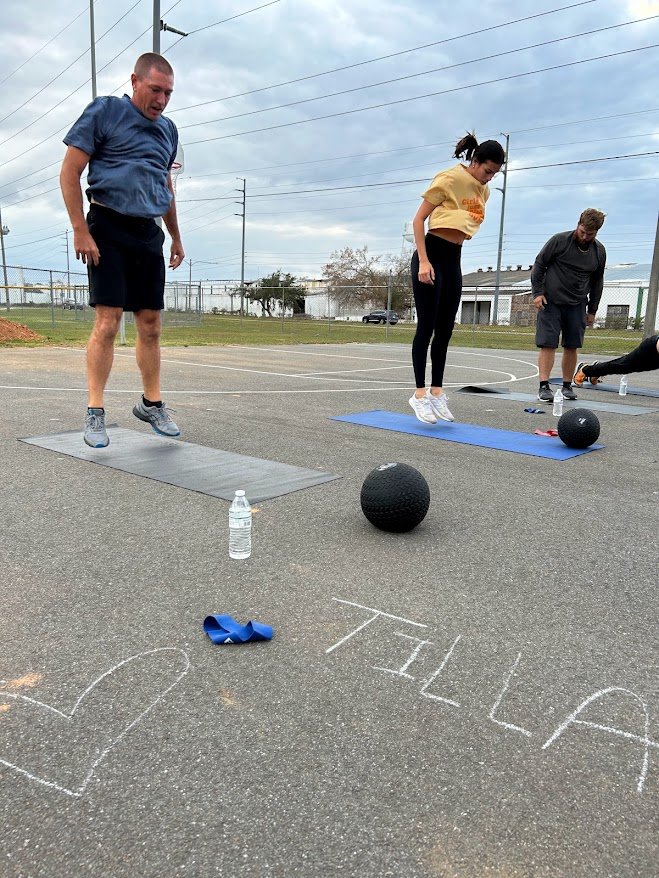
{"x":475,"y":208}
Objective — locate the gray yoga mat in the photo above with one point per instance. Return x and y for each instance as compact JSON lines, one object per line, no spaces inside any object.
{"x":613,"y":388}
{"x":186,"y":465}
{"x":614,"y":407}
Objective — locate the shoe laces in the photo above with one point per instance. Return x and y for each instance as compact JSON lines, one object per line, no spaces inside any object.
{"x":423,"y":401}
{"x":441,"y":400}
{"x":163,"y":414}
{"x":95,"y":421}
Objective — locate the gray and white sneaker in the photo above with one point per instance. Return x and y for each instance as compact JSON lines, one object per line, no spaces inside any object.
{"x":439,"y":406}
{"x":422,"y":409}
{"x":159,"y":418}
{"x":95,"y":433}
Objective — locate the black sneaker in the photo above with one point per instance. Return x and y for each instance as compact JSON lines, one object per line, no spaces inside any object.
{"x":568,"y":393}
{"x":545,"y":395}
{"x":580,"y":376}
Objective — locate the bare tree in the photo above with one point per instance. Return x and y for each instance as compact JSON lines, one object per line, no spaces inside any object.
{"x":353,"y":277}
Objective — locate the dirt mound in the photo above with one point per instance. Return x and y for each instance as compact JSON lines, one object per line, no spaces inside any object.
{"x":10,"y":331}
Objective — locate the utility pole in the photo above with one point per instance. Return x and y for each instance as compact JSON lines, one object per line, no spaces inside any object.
{"x":159,"y":24}
{"x":653,"y":290}
{"x":4,"y":230}
{"x":495,"y":316}
{"x":68,"y":274}
{"x":386,"y":323}
{"x":92,"y":46}
{"x":242,"y":251}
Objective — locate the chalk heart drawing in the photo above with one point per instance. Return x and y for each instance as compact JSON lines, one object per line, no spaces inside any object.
{"x":63,"y":750}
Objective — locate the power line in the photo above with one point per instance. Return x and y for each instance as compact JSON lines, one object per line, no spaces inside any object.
{"x":592,"y":119}
{"x":39,"y":241}
{"x":169,"y":48}
{"x":43,"y":115}
{"x":231,"y":18}
{"x":422,"y":179}
{"x":386,"y":57}
{"x":406,"y":200}
{"x":369,"y":174}
{"x":429,"y":95}
{"x":31,"y":174}
{"x":496,"y":55}
{"x":52,"y":39}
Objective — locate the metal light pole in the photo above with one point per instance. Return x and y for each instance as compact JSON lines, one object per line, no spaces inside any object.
{"x":68,"y":273}
{"x":495,"y":316}
{"x":4,"y":230}
{"x":653,"y":290}
{"x":242,"y":252}
{"x":386,"y":324}
{"x":92,"y":46}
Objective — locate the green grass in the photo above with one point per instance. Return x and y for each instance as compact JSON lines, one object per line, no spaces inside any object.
{"x":73,"y":328}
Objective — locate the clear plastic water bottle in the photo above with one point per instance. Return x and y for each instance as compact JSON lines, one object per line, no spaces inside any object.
{"x":240,"y":527}
{"x":623,"y":386}
{"x":558,"y":403}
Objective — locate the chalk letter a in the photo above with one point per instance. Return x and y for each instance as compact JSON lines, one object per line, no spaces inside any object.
{"x":643,"y":740}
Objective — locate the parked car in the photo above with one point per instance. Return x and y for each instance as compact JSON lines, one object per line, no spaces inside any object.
{"x":380,"y":317}
{"x":72,"y":305}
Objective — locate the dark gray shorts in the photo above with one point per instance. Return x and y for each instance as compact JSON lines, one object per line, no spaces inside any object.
{"x":131,"y":271}
{"x":568,"y":321}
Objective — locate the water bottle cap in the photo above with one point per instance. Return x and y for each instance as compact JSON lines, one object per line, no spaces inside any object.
{"x":240,"y":493}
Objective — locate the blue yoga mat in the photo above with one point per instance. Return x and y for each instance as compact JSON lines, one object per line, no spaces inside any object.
{"x":469,"y":434}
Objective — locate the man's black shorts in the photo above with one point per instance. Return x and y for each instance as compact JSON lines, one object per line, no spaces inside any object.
{"x":131,"y":270}
{"x":556,"y":320}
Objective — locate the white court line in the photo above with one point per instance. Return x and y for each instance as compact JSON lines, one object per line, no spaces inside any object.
{"x":406,"y":366}
{"x":382,"y":385}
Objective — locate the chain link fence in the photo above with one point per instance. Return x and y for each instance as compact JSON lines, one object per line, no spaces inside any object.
{"x":50,"y":298}
{"x":46,"y":298}
{"x":622,"y":306}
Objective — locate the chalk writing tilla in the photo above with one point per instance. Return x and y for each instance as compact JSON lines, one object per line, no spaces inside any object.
{"x":643,"y":741}
{"x":69,"y":717}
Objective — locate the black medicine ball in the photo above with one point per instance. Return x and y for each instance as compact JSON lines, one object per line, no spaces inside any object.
{"x":578,"y":428}
{"x":395,"y":497}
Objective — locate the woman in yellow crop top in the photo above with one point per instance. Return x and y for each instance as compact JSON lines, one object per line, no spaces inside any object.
{"x":454,"y":205}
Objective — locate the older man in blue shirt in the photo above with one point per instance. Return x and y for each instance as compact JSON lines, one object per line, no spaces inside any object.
{"x":130,"y":148}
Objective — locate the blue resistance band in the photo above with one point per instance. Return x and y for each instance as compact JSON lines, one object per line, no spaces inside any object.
{"x":225,"y":629}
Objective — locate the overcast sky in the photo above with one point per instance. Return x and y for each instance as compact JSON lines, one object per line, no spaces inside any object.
{"x":338,"y":112}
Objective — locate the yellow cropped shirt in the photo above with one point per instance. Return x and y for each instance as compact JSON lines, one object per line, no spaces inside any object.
{"x":460,"y":201}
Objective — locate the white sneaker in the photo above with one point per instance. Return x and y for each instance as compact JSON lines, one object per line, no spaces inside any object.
{"x":423,"y":409}
{"x":439,"y":407}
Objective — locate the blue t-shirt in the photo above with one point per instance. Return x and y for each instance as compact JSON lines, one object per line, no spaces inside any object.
{"x":130,"y":156}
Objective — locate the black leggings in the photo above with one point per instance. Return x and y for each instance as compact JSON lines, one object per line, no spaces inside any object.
{"x":436,"y":307}
{"x":644,"y":358}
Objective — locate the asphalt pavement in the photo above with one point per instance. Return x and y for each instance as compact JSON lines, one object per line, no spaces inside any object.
{"x":479,"y":697}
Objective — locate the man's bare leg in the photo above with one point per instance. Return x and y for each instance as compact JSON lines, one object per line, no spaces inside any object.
{"x":147,"y":351}
{"x":546,"y":358}
{"x":100,"y":352}
{"x":569,"y":364}
{"x":148,"y":359}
